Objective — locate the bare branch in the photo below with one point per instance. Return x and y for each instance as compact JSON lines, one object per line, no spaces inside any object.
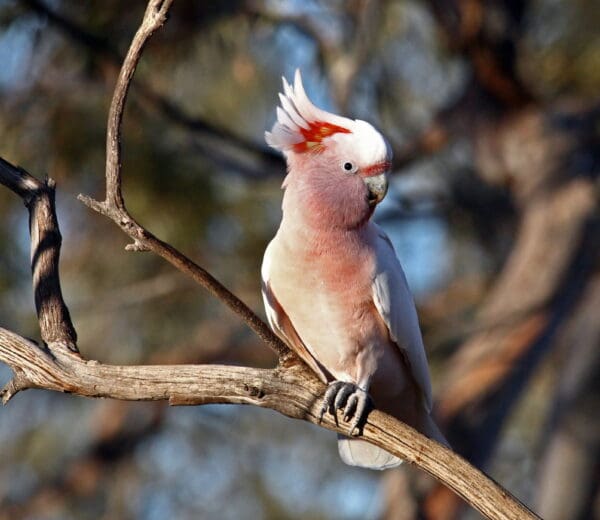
{"x":18,"y":180}
{"x":114,"y":205}
{"x":53,"y":315}
{"x":293,"y":391}
{"x":154,"y":17}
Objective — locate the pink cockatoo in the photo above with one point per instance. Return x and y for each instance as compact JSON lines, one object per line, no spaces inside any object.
{"x":333,"y":287}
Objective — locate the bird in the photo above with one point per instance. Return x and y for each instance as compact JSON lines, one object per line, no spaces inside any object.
{"x":333,"y":288}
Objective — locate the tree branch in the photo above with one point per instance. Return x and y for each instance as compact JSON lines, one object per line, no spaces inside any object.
{"x":154,"y":17}
{"x":294,"y":391}
{"x":114,"y":205}
{"x":53,"y":315}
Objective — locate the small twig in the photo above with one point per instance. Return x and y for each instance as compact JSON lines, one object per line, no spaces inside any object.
{"x":154,"y":17}
{"x":14,"y":386}
{"x":114,"y":208}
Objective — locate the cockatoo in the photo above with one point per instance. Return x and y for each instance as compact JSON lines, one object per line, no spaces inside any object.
{"x":332,"y":285}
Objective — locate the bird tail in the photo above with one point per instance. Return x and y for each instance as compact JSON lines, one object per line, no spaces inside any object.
{"x":356,"y":452}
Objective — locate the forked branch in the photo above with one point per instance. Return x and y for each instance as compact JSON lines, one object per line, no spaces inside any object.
{"x":114,"y":204}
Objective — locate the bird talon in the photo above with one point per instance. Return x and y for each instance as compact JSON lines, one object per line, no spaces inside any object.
{"x":350,"y":398}
{"x":344,"y":393}
{"x":329,"y":400}
{"x":350,"y":407}
{"x":354,"y":429}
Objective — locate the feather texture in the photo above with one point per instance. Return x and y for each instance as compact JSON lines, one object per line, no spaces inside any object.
{"x":281,"y":324}
{"x":396,"y":307}
{"x":300,"y":125}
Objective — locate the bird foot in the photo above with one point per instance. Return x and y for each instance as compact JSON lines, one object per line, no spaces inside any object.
{"x":353,"y":400}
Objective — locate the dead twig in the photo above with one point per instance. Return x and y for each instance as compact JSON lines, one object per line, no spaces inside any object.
{"x":113,"y":205}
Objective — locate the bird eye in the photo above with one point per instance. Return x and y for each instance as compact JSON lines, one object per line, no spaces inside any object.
{"x":348,"y":166}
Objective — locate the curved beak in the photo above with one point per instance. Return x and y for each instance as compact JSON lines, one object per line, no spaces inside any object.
{"x":377,"y":186}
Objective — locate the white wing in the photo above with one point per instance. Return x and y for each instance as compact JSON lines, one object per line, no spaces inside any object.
{"x":394,"y":301}
{"x":281,"y":323}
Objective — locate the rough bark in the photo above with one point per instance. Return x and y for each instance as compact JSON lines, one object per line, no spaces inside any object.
{"x":293,"y":391}
{"x":53,"y":314}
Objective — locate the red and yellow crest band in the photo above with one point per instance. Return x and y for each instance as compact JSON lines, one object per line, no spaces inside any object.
{"x":315,"y":133}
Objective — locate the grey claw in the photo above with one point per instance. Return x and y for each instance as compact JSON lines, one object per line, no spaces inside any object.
{"x":362,"y":403}
{"x":332,"y":397}
{"x":342,"y":396}
{"x":329,"y":396}
{"x":350,"y":407}
{"x":347,"y":396}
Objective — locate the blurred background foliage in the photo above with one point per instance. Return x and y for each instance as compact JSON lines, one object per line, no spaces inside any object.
{"x":493,"y":112}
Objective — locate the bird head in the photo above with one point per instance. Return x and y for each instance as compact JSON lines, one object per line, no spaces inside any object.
{"x":338,"y":166}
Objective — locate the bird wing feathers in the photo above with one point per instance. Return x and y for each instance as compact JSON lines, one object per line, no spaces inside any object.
{"x":282,"y":325}
{"x":395,"y":304}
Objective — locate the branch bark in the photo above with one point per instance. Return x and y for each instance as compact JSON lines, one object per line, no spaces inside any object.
{"x":53,"y":315}
{"x":293,"y":391}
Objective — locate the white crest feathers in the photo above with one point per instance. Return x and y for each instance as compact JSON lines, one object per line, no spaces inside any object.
{"x":300,"y":125}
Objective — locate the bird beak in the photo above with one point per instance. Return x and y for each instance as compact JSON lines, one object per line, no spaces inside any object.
{"x":377,"y":186}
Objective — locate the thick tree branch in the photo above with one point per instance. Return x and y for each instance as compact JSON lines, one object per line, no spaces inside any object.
{"x":294,"y":391}
{"x":53,"y":315}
